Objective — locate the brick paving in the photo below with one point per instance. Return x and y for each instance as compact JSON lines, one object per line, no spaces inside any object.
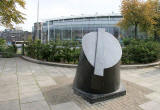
{"x":30,"y":86}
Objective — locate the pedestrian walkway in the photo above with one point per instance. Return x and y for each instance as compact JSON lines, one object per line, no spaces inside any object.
{"x":30,"y":86}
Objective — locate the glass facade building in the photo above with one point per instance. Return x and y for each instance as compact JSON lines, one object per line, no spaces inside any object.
{"x":74,"y":28}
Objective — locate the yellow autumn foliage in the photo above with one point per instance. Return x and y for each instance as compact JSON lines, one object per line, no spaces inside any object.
{"x":139,"y":14}
{"x":9,"y":14}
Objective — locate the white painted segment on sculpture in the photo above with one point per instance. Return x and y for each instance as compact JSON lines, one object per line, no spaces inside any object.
{"x":89,"y":46}
{"x":102,"y":50}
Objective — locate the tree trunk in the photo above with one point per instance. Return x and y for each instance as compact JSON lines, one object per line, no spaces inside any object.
{"x":135,"y":30}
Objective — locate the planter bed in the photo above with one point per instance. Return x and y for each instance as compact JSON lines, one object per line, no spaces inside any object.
{"x":136,"y":66}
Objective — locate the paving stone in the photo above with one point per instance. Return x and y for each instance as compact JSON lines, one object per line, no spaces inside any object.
{"x":154,"y":96}
{"x":41,"y":105}
{"x":142,"y":86}
{"x":24,"y":73}
{"x":43,"y":78}
{"x":31,"y":96}
{"x":8,"y":80}
{"x":26,"y":78}
{"x":70,"y":75}
{"x":155,"y":88}
{"x":8,"y":92}
{"x":10,"y":105}
{"x":8,"y":83}
{"x":37,"y":73}
{"x":150,"y":106}
{"x":145,"y":84}
{"x":46,"y":83}
{"x":65,"y":106}
{"x":2,"y":63}
{"x":9,"y":95}
{"x":53,"y":74}
{"x":26,"y":83}
{"x":29,"y":88}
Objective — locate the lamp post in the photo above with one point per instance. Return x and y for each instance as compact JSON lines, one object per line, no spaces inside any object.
{"x":48,"y":32}
{"x":38,"y":19}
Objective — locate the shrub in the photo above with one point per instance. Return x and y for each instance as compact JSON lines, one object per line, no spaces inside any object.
{"x":1,"y":48}
{"x":2,"y":41}
{"x":75,"y":55}
{"x":8,"y":52}
{"x":141,"y":51}
{"x":59,"y":51}
{"x":66,"y":51}
{"x":75,"y":50}
{"x":135,"y":51}
{"x":2,"y":44}
{"x":126,"y":41}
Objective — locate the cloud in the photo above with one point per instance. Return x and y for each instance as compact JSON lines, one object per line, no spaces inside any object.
{"x":56,"y":8}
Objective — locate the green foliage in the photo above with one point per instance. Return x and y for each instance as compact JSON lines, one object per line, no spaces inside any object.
{"x":9,"y":13}
{"x":2,"y":41}
{"x":59,"y":51}
{"x":2,"y":44}
{"x":75,"y":52}
{"x":141,"y":51}
{"x":66,"y":51}
{"x":154,"y":27}
{"x":127,"y":41}
{"x":8,"y":52}
{"x":135,"y":51}
{"x":14,"y":48}
{"x":140,"y":14}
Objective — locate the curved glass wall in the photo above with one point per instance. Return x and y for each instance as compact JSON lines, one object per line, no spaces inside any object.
{"x":76,"y":28}
{"x":67,"y":33}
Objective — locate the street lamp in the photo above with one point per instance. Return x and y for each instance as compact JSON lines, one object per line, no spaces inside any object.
{"x":38,"y":19}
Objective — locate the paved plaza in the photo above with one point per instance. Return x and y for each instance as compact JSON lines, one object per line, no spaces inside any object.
{"x":30,"y":86}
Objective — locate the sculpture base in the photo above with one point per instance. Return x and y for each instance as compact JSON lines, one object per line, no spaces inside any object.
{"x":93,"y":98}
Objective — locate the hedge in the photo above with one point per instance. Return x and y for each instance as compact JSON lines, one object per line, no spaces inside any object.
{"x":140,"y":51}
{"x":136,"y":51}
{"x":7,"y":51}
{"x":59,"y":51}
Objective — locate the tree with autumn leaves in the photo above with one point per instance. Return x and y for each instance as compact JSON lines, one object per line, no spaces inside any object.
{"x":155,"y":26}
{"x":142,"y":15}
{"x":9,"y":14}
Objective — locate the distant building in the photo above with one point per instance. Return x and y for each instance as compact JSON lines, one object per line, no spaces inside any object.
{"x":27,"y":35}
{"x":37,"y":30}
{"x":74,"y":28}
{"x":11,"y":35}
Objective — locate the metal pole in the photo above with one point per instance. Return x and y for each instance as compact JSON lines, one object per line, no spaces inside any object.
{"x":54,"y":34}
{"x":71,"y":33}
{"x":82,"y":32}
{"x":38,"y":19}
{"x":48,"y":32}
{"x":41,"y":33}
{"x":62,"y":33}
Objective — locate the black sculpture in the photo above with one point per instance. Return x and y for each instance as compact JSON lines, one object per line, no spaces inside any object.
{"x":98,"y":73}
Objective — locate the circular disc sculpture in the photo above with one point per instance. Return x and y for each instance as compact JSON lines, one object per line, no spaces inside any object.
{"x":98,"y":73}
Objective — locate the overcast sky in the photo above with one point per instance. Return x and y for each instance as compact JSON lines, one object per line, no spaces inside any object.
{"x":57,"y":8}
